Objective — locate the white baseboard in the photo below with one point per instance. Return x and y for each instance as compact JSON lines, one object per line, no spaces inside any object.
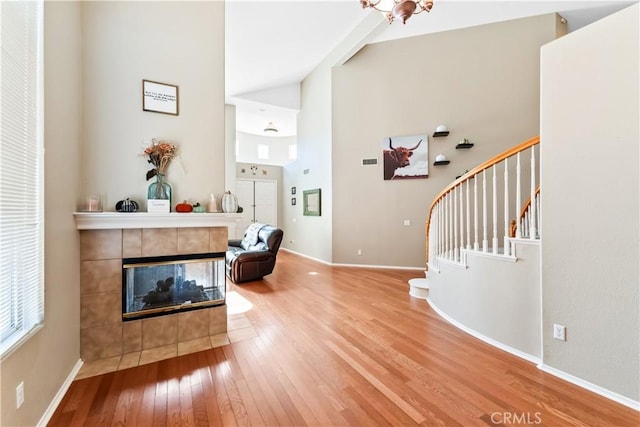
{"x":306,"y":256}
{"x":46,"y":417}
{"x":391,"y":267}
{"x":623,"y":400}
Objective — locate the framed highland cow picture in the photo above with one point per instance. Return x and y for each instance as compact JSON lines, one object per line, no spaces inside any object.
{"x":405,"y":157}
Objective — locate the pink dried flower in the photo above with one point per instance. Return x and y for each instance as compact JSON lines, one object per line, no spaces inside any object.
{"x":160,"y":154}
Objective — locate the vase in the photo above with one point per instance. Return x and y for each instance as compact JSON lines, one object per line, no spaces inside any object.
{"x":160,"y":189}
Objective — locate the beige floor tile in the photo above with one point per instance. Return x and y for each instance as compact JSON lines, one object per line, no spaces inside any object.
{"x":129,"y":360}
{"x":158,"y":353}
{"x":98,"y":367}
{"x":219,"y":340}
{"x":241,"y":334}
{"x":193,"y":346}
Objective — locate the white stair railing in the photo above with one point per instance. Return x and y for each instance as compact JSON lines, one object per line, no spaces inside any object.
{"x":455,"y":213}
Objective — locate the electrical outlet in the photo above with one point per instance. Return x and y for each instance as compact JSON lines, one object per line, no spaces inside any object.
{"x":20,"y":395}
{"x":407,"y":222}
{"x":559,"y":332}
{"x":359,"y":252}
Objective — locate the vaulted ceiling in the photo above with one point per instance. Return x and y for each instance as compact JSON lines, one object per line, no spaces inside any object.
{"x":271,"y":46}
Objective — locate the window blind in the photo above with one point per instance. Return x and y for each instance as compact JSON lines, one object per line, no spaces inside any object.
{"x":21,"y":172}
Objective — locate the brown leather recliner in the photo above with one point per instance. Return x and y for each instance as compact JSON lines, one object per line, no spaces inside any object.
{"x":254,"y":256}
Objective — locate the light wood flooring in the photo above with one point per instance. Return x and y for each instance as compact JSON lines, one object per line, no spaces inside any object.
{"x":337,"y":346}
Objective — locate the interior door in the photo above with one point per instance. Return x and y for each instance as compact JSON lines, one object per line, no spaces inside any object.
{"x":259,"y":201}
{"x":244,"y":193}
{"x":265,"y":200}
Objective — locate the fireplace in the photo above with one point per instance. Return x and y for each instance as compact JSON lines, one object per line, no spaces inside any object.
{"x":159,"y":285}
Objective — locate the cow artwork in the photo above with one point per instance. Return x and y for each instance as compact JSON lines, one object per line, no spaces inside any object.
{"x":404,"y":158}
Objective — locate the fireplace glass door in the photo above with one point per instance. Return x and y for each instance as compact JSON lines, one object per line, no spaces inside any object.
{"x":161,"y":285}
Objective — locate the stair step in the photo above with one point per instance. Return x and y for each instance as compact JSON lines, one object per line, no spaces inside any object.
{"x":419,"y":288}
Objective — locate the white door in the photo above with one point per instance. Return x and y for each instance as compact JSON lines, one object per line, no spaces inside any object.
{"x":259,"y":201}
{"x":265,"y":197}
{"x":244,"y":193}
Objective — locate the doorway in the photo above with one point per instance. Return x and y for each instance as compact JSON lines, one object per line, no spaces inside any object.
{"x":259,"y":201}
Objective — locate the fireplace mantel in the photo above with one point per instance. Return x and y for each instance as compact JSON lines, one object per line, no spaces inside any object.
{"x":118,"y":220}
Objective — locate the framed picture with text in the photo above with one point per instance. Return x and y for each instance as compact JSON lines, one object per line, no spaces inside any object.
{"x":159,"y":97}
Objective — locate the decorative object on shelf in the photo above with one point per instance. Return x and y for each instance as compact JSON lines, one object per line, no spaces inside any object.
{"x":184,"y":207}
{"x":92,"y":203}
{"x":463,"y":143}
{"x":229,"y":203}
{"x":159,"y":97}
{"x":159,"y":190}
{"x":398,"y":9}
{"x":212,"y":206}
{"x":312,"y":202}
{"x":462,"y":174}
{"x":441,"y":160}
{"x":441,"y":130}
{"x":160,"y":154}
{"x":401,"y":162}
{"x":198,"y":208}
{"x":127,"y":205}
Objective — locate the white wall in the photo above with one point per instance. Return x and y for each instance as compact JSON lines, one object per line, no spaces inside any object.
{"x":46,"y":359}
{"x":180,"y":43}
{"x":590,"y":131}
{"x":482,"y":82}
{"x":278,"y":148}
{"x":312,"y":235}
{"x":497,"y":298}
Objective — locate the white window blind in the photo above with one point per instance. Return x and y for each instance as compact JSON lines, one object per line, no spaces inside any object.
{"x":21,"y":172}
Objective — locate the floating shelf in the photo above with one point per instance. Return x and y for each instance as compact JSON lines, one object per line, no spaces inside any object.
{"x":439,"y":134}
{"x":462,"y":146}
{"x":441,"y":163}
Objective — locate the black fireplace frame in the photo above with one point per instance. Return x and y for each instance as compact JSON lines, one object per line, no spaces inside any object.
{"x":217,"y":256}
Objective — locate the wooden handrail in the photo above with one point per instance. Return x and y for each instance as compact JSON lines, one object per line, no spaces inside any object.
{"x":526,"y":204}
{"x":473,"y":172}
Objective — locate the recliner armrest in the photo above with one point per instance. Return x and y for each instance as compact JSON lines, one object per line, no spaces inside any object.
{"x":235,"y":242}
{"x":252,"y":255}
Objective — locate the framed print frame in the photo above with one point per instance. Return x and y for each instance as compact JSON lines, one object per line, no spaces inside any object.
{"x":405,"y":157}
{"x":312,"y":202}
{"x":159,"y":97}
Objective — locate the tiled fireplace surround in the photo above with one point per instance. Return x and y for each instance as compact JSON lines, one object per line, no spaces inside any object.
{"x":103,"y":334}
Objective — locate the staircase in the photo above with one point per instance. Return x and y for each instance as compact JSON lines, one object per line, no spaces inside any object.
{"x":483,"y":237}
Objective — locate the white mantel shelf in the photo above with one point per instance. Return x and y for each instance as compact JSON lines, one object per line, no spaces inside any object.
{"x":118,"y":220}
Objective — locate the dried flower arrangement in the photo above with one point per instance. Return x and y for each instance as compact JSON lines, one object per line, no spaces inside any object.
{"x":160,"y":154}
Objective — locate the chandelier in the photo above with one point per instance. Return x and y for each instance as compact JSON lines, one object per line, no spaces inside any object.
{"x":398,"y":9}
{"x":270,"y":128}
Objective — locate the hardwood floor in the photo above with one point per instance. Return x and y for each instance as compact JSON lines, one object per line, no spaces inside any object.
{"x":338,"y":347}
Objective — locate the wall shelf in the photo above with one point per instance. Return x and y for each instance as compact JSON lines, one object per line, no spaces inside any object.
{"x":441,"y":163}
{"x":440,"y":134}
{"x":463,"y":146}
